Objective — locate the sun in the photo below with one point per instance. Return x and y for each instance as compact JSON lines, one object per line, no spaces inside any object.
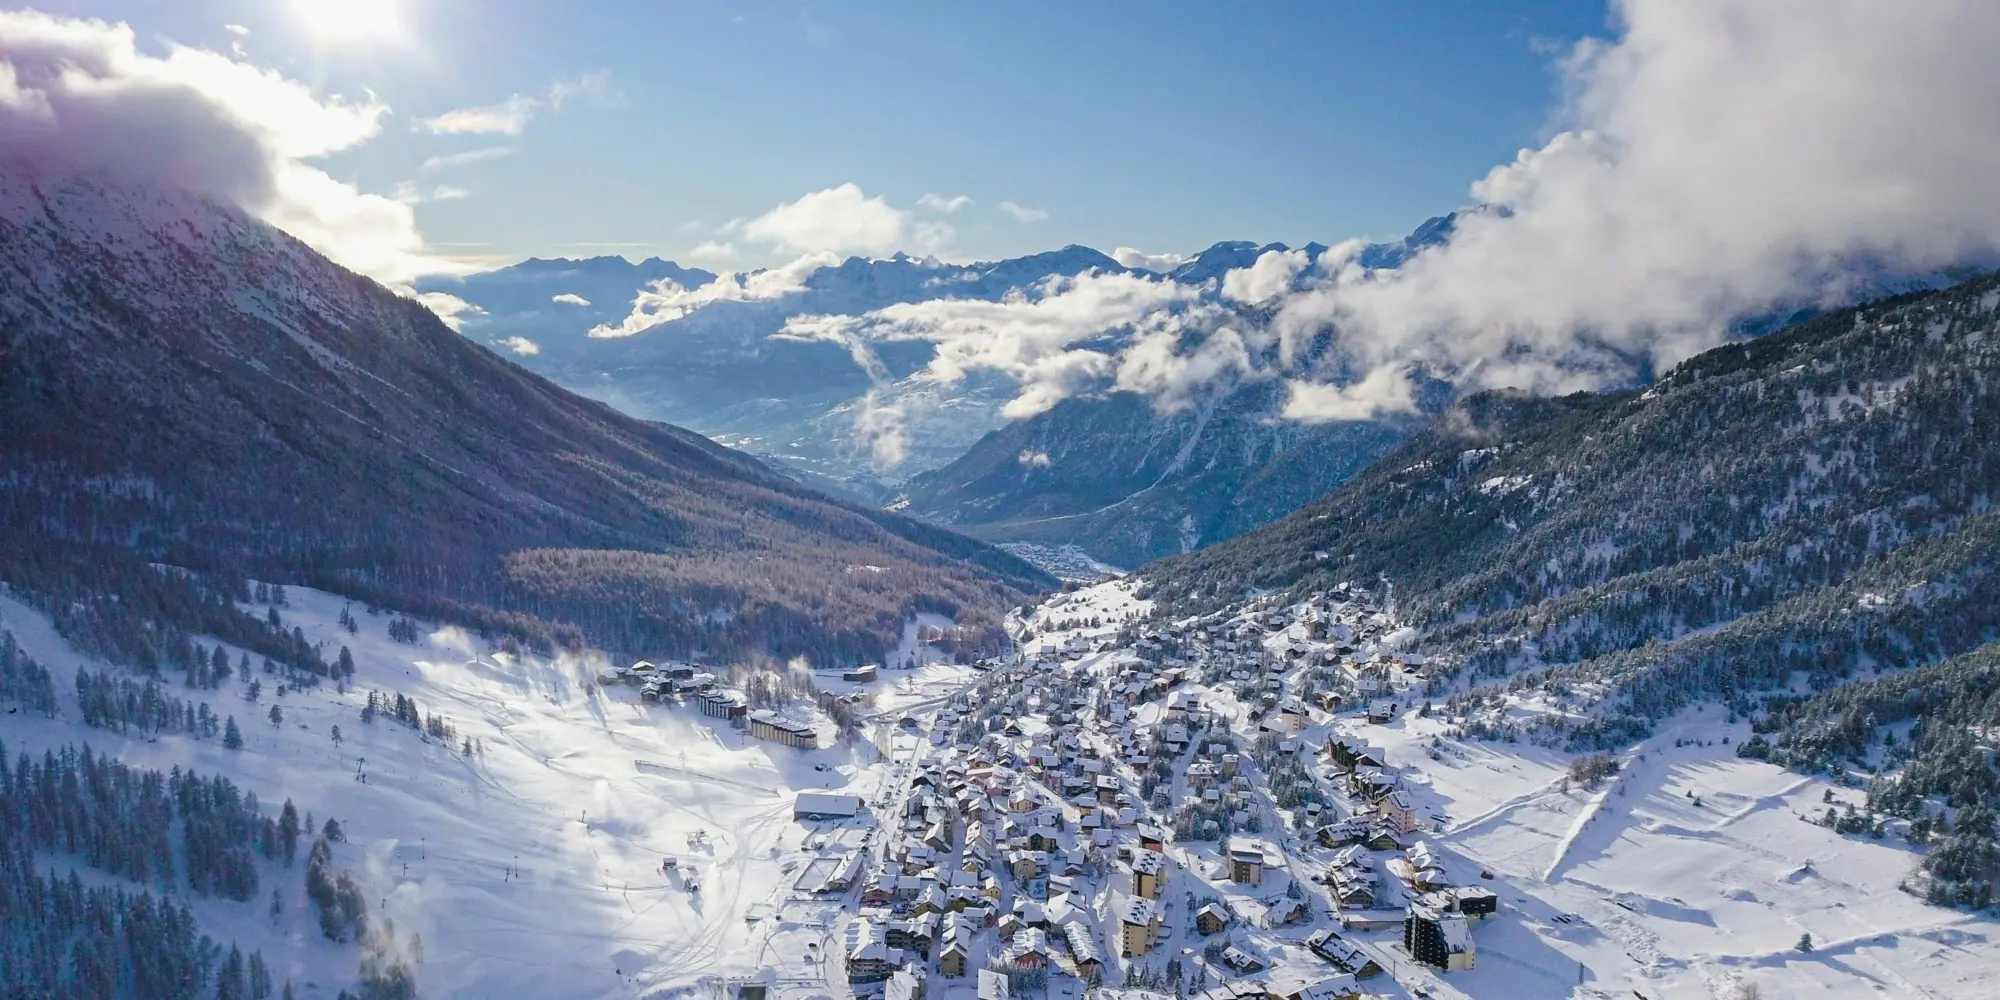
{"x":346,"y":22}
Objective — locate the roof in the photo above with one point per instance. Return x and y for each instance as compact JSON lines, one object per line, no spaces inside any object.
{"x":826,"y":804}
{"x":992,"y":985}
{"x":1457,"y":933}
{"x":1138,"y":910}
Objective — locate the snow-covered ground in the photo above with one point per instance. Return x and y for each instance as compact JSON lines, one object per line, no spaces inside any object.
{"x":532,"y":869}
{"x":1691,"y":874}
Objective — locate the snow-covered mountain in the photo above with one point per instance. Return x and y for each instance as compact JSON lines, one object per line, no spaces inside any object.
{"x":805,"y":404}
{"x":720,"y":370}
{"x":187,"y":385}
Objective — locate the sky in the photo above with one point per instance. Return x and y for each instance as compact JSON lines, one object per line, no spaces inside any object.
{"x":644,"y":128}
{"x":1640,"y":178}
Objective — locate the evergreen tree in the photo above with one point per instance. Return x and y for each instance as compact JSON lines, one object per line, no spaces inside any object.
{"x":288,"y":831}
{"x":232,"y":737}
{"x":277,"y":716}
{"x":232,"y":980}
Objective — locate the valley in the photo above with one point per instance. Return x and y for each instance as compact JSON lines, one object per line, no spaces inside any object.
{"x":570,"y":835}
{"x":663,"y":501}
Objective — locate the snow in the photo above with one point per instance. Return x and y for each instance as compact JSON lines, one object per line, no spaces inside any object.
{"x":1674,"y":900}
{"x":558,"y":796}
{"x":534,"y":869}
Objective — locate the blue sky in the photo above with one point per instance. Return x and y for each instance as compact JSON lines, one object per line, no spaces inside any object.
{"x":1163,"y":127}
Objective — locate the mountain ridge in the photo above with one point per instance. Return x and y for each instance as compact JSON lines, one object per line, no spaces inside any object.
{"x":182,"y":381}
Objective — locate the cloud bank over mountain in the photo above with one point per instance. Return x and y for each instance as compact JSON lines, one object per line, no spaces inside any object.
{"x":80,"y":95}
{"x":1712,"y":161}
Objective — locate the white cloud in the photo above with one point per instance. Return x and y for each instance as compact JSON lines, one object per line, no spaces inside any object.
{"x":409,"y":193}
{"x":1719,"y":160}
{"x":522,"y":346}
{"x":940,"y":203}
{"x":1265,"y":279}
{"x":1173,"y":356}
{"x":450,"y":308}
{"x":511,"y":116}
{"x":79,"y":95}
{"x":1034,"y":337}
{"x":508,"y":117}
{"x":1159,"y":263}
{"x":881,"y":425}
{"x":1022,"y":213}
{"x":1034,"y":459}
{"x":713,"y":250}
{"x":237,"y":30}
{"x":1383,"y":391}
{"x":464,"y":157}
{"x":841,"y":220}
{"x":570,"y":299}
{"x":666,"y":300}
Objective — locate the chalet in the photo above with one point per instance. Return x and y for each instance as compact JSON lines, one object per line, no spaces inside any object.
{"x":862,"y":674}
{"x":1382,"y":837}
{"x":1242,"y":961}
{"x":1083,"y":950}
{"x":1438,"y":939}
{"x":904,"y":984}
{"x":1029,"y":950}
{"x":1152,"y":838}
{"x":1212,"y":918}
{"x":790,"y":732}
{"x":1343,"y":954}
{"x":953,"y":957}
{"x":1341,"y":833}
{"x":1340,"y":987}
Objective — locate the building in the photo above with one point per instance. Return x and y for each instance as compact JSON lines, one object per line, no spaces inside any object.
{"x":1343,"y":954}
{"x":1148,"y":873}
{"x":825,"y":805}
{"x":904,"y":984}
{"x":730,"y":705}
{"x":992,"y":985}
{"x":1398,"y":811}
{"x":1212,"y":918}
{"x":1341,"y":987}
{"x":1082,"y":947}
{"x":1137,"y":923}
{"x":869,"y":957}
{"x":861,"y":674}
{"x":1439,"y":939}
{"x":952,"y":958}
{"x":770,"y":726}
{"x":1246,"y":864}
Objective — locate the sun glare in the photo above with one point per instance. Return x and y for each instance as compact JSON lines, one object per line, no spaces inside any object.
{"x":335,"y":22}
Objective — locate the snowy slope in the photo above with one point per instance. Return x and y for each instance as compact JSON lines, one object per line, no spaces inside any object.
{"x":557,"y":795}
{"x":1674,"y":899}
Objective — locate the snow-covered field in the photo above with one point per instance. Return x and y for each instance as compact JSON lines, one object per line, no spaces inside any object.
{"x":532,"y":869}
{"x":1691,"y":874}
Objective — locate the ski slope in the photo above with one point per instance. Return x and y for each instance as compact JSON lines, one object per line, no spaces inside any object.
{"x":530,"y":870}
